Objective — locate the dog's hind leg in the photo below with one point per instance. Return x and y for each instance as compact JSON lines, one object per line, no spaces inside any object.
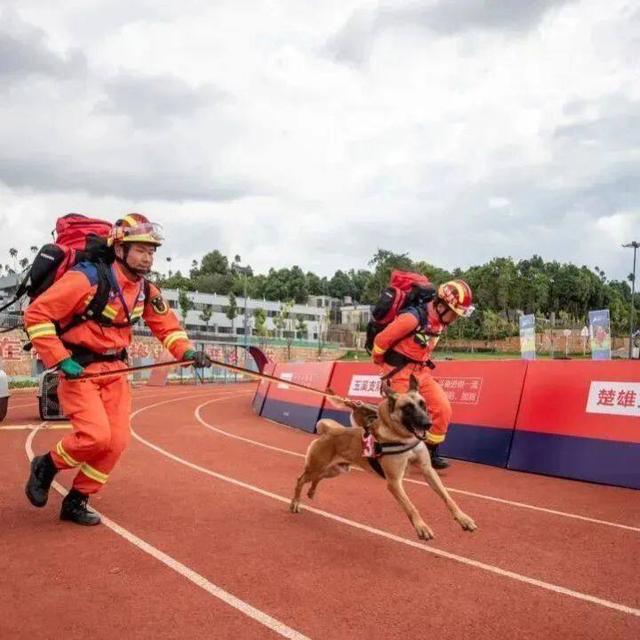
{"x":294,"y":505}
{"x":331,"y":472}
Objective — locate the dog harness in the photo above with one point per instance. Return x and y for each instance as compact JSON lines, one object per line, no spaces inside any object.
{"x":372,"y":450}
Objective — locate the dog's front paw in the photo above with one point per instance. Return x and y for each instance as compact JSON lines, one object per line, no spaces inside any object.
{"x":424,"y":532}
{"x":465,"y":522}
{"x":294,"y":506}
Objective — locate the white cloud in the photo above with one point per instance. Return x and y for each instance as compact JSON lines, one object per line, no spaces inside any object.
{"x":310,"y":133}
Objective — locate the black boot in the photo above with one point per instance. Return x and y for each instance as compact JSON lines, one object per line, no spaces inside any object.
{"x":42,"y":473}
{"x":436,"y":461}
{"x":74,"y":508}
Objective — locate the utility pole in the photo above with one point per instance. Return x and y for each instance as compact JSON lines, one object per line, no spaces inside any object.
{"x":635,"y":246}
{"x":244,"y":271}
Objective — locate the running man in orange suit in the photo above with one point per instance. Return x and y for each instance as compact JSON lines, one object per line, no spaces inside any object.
{"x":98,"y":409}
{"x":405,"y":346}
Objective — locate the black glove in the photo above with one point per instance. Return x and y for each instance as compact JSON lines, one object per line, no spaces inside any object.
{"x":200,"y":358}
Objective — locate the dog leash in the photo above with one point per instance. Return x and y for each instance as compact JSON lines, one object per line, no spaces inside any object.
{"x":231,"y":367}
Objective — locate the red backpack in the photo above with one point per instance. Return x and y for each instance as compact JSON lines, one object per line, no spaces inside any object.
{"x":406,"y":290}
{"x":77,"y":239}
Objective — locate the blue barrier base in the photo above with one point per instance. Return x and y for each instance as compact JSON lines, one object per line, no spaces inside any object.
{"x":293,"y":415}
{"x":486,"y":445}
{"x":603,"y":461}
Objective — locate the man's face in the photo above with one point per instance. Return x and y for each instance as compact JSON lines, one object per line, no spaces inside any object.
{"x":439,"y":310}
{"x":140,"y":257}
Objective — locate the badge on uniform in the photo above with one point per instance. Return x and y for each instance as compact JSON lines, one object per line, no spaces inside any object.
{"x":159,"y":305}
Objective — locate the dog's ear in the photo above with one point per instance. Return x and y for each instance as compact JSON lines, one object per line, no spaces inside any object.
{"x":389,"y":394}
{"x":386,"y":391}
{"x":413,"y":383}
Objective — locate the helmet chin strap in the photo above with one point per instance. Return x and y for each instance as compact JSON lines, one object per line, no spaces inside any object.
{"x":436,"y":305}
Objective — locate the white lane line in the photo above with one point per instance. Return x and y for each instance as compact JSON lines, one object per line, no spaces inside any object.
{"x":175,"y":565}
{"x":390,"y":536}
{"x":481,"y":496}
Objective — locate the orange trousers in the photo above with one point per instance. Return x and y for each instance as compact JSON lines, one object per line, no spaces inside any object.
{"x":99,"y":411}
{"x":437,"y":402}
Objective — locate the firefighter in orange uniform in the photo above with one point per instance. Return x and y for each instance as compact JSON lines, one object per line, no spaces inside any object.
{"x":98,"y":409}
{"x":405,"y":346}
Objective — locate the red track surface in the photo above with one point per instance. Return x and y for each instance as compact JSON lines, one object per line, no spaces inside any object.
{"x":225,"y":519}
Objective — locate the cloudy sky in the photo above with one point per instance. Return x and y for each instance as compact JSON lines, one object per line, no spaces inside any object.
{"x":312,"y":133}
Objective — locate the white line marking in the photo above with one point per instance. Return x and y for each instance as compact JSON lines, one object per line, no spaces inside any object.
{"x":390,"y":536}
{"x":512,"y":503}
{"x":191,"y":575}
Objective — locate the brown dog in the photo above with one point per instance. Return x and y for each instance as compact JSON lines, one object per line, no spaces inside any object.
{"x":398,"y":425}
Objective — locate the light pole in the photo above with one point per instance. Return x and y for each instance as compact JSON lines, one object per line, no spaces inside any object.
{"x":635,"y":246}
{"x":245,"y":272}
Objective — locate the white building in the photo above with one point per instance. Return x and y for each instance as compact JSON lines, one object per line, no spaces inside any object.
{"x":315,"y":318}
{"x":305,"y":321}
{"x":355,"y":317}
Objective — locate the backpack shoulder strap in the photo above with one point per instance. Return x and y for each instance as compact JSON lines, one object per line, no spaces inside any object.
{"x":98,"y":274}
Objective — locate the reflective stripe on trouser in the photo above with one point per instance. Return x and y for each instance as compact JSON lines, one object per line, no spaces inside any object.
{"x":433,"y":394}
{"x":99,"y":412}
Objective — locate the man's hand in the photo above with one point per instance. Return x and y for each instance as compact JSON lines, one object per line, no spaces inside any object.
{"x":200,"y":358}
{"x":71,"y":368}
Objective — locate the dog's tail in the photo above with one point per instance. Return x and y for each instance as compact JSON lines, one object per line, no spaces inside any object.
{"x":329,"y":427}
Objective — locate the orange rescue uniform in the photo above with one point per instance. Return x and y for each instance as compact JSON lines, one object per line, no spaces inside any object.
{"x":406,"y":337}
{"x":98,"y":409}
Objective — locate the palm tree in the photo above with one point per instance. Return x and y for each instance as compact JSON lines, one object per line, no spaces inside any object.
{"x":14,"y":254}
{"x":33,"y":248}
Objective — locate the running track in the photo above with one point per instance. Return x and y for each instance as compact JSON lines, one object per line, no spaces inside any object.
{"x":199,"y":543}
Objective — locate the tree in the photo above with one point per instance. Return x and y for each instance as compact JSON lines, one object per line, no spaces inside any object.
{"x":359,"y":280}
{"x":232,"y":312}
{"x":384,"y":262}
{"x":14,"y":254}
{"x":284,"y":322}
{"x":214,"y":262}
{"x":301,"y":328}
{"x":340,"y":285}
{"x":185,"y":304}
{"x":205,"y":316}
{"x":260,"y":324}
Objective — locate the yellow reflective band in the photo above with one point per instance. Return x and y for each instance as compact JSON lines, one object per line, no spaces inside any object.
{"x":110,"y":312}
{"x":131,"y":220}
{"x":137,"y":311}
{"x":42,"y":333}
{"x":173,"y":337}
{"x":65,"y":456}
{"x":434,"y":439}
{"x":94,"y":474}
{"x":377,"y":349}
{"x":42,"y":325}
{"x":40,"y":330}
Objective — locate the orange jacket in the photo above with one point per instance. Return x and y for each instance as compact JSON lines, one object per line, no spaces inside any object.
{"x":70,"y":296}
{"x":404,"y":330}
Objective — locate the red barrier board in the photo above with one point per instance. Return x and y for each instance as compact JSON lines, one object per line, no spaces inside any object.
{"x":481,"y":393}
{"x":585,"y":399}
{"x":292,"y":406}
{"x":580,"y":420}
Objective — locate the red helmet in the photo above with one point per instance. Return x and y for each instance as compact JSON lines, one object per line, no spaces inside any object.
{"x":135,"y":227}
{"x":456,"y":294}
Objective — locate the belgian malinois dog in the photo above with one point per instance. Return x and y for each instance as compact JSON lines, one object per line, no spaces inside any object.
{"x":398,"y":426}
